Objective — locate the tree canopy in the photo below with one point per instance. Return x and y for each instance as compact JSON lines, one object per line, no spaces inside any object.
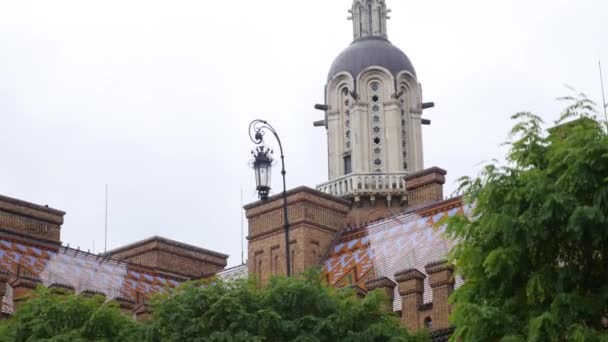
{"x":534,"y":251}
{"x":58,"y":317}
{"x":287,"y":309}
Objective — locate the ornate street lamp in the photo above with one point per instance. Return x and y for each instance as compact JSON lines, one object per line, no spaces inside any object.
{"x":262,"y":165}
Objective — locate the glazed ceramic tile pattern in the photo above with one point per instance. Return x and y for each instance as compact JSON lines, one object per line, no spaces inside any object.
{"x":387,"y":247}
{"x":234,"y":273}
{"x":83,"y":271}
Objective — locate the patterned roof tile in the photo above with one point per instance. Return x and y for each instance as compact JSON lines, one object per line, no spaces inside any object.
{"x":406,"y":241}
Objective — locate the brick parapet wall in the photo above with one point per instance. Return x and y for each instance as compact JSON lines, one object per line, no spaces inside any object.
{"x":314,"y":219}
{"x":30,"y":219}
{"x":172,"y":257}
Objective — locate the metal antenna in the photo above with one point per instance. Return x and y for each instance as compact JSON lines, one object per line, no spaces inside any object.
{"x":604,"y":103}
{"x":105,"y":246}
{"x":242,"y":230}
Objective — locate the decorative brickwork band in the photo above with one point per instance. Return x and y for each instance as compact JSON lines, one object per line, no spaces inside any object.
{"x":411,"y":290}
{"x":441,"y":280}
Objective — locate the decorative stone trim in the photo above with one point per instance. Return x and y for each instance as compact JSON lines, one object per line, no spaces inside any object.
{"x":380,"y":283}
{"x":438,"y":266}
{"x":409,"y":274}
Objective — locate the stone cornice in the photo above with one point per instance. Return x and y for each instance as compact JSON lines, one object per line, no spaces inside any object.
{"x":438,"y":266}
{"x":168,"y":242}
{"x":31,"y":210}
{"x":379,"y":283}
{"x":292,"y":192}
{"x":31,"y":205}
{"x":409,"y":274}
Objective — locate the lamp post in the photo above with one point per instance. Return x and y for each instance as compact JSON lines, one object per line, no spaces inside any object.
{"x":262,"y":165}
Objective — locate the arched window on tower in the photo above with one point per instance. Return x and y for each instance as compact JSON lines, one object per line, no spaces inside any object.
{"x":346,"y":118}
{"x":375,"y":101}
{"x":404,"y":126}
{"x":370,"y":15}
{"x":360,"y":21}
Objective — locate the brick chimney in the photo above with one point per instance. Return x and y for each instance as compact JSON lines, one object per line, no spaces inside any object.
{"x":385,"y":284}
{"x":425,"y":187}
{"x":411,"y":290}
{"x":441,"y":280}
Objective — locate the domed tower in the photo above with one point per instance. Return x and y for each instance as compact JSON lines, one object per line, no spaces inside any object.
{"x":373,"y":107}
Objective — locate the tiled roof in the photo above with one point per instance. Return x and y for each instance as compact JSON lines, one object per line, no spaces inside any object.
{"x":234,"y":273}
{"x":82,"y":271}
{"x":406,"y":241}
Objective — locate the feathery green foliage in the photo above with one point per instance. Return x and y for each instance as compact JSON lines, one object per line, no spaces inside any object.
{"x":288,"y":309}
{"x":534,"y":251}
{"x":57,"y":317}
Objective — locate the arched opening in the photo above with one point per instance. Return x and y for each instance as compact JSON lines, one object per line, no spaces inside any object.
{"x":375,"y":109}
{"x":428,"y":323}
{"x":370,"y":14}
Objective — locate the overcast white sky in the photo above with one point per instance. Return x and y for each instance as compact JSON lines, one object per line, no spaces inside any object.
{"x":154,"y":98}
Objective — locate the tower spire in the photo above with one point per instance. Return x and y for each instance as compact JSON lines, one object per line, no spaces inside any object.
{"x":369,"y":18}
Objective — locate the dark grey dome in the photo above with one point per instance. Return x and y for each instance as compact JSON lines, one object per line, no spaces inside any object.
{"x":371,"y":51}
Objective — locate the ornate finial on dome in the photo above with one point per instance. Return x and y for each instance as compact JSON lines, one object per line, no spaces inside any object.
{"x":369,"y":18}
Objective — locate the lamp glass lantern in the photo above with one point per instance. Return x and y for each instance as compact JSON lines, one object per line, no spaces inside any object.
{"x":262,"y":165}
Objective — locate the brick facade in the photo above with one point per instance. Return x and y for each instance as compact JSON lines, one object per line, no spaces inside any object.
{"x":172,"y":257}
{"x":323,"y":225}
{"x":31,"y":255}
{"x":30,"y":220}
{"x":314,"y":218}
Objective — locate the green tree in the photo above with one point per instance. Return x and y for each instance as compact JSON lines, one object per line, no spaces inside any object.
{"x":61,"y":317}
{"x":288,"y":309}
{"x":534,"y":251}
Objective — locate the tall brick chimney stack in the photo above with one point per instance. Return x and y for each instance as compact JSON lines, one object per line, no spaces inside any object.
{"x":411,"y":290}
{"x":441,"y":280}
